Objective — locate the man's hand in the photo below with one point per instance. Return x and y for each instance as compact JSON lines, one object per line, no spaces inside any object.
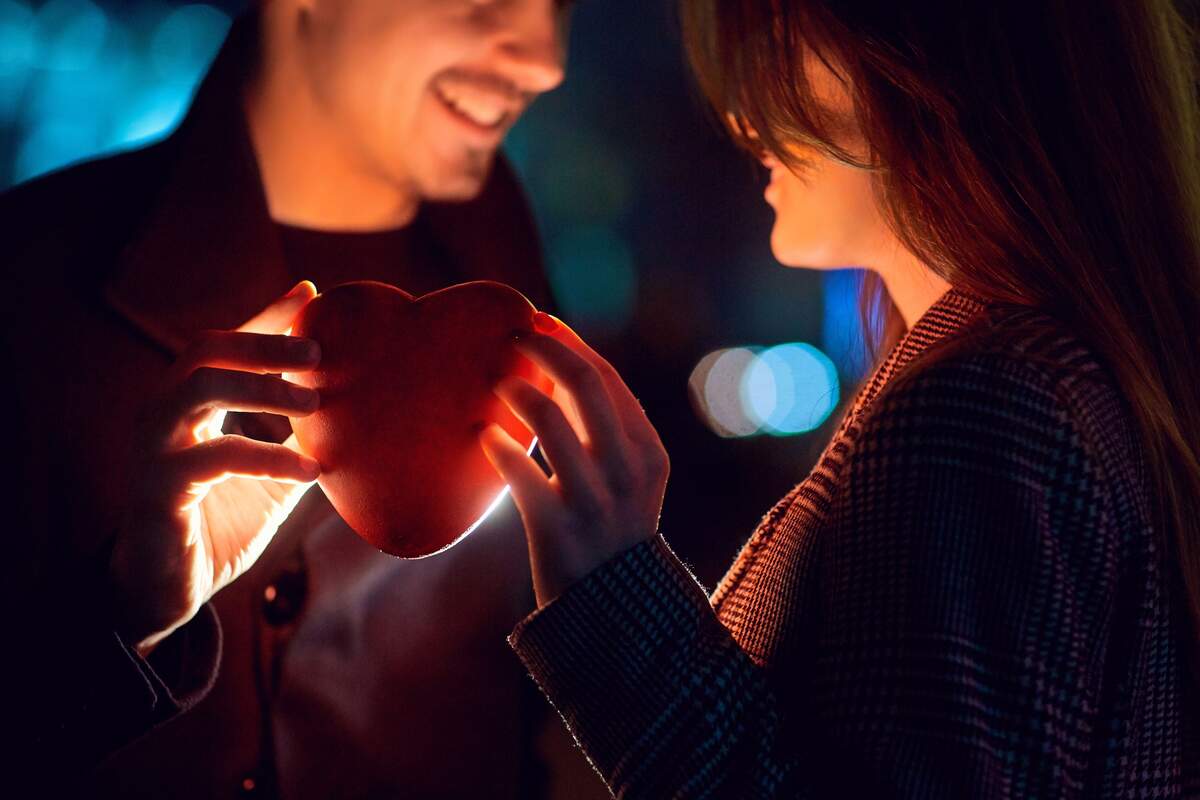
{"x":204,"y":505}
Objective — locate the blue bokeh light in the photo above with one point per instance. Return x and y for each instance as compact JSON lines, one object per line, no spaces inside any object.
{"x":841,"y":331}
{"x":790,"y":389}
{"x":79,"y":82}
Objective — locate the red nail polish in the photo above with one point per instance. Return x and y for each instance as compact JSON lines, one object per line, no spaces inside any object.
{"x":544,"y":323}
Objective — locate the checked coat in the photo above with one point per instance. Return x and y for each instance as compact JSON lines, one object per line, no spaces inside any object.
{"x":965,"y":598}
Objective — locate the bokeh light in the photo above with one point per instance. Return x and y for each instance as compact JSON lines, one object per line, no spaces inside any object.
{"x":790,"y":389}
{"x":77,"y":81}
{"x":842,"y":332}
{"x":186,"y":39}
{"x":782,"y":390}
{"x":18,"y":37}
{"x":71,"y":33}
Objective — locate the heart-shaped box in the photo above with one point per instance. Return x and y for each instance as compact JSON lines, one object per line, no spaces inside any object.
{"x":406,"y":386}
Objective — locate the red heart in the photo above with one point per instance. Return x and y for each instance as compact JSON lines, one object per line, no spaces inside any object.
{"x":406,"y":386}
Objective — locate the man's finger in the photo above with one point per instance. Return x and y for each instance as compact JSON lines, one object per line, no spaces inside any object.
{"x":248,"y":352}
{"x":278,"y":317}
{"x":227,"y":456}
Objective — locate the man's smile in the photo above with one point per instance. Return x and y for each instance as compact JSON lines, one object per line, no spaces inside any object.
{"x":488,"y":103}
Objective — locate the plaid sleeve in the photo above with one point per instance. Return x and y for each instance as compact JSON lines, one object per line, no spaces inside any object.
{"x":965,"y":585}
{"x":663,"y":701}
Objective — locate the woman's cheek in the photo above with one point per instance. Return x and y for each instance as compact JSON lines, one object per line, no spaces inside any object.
{"x":805,"y":231}
{"x":825,"y":219}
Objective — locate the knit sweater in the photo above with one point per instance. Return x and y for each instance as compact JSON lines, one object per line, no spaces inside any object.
{"x":964,"y":598}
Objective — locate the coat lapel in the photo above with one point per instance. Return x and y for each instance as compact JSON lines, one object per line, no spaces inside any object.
{"x":946,"y":317}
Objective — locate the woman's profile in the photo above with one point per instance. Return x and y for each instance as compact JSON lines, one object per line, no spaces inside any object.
{"x":989,"y":585}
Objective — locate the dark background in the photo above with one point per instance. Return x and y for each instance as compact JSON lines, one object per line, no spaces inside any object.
{"x":655,"y":227}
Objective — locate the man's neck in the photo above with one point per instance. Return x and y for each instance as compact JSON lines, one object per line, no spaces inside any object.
{"x":308,"y":179}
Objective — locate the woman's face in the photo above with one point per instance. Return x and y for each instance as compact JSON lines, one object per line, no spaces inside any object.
{"x":826,"y":215}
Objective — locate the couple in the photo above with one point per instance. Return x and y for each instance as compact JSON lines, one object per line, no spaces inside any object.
{"x":988,"y":586}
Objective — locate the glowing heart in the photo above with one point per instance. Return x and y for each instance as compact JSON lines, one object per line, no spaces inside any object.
{"x":406,"y":385}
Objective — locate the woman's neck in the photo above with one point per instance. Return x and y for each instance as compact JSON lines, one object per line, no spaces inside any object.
{"x":913,"y":287}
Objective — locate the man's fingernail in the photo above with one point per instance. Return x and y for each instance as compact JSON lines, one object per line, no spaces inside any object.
{"x":307,"y":349}
{"x":310,"y":465}
{"x":544,"y":323}
{"x":299,"y":287}
{"x":304,"y":396}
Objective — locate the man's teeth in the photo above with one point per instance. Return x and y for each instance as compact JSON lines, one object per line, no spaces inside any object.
{"x":480,"y":112}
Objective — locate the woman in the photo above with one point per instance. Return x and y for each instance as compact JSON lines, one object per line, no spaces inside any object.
{"x":989,"y":586}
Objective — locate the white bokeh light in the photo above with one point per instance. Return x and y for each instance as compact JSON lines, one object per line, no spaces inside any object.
{"x":782,"y":390}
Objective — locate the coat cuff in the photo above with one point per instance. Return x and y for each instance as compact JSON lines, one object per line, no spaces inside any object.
{"x":609,"y":652}
{"x":183,"y":668}
{"x":114,"y":695}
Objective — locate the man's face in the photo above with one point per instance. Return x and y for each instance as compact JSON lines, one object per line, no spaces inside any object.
{"x":421,"y":92}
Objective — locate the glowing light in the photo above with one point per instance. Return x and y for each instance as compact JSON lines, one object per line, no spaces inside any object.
{"x":782,"y":390}
{"x":722,"y":393}
{"x":841,"y":330}
{"x":72,"y":33}
{"x":186,"y":40}
{"x":18,"y":38}
{"x":789,"y":389}
{"x":482,"y":517}
{"x":52,"y":145}
{"x":154,"y":114}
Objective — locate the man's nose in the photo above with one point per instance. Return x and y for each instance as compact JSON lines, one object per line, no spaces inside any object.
{"x":533,"y":49}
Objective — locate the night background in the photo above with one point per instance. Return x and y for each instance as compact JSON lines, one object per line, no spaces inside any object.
{"x":654,"y":227}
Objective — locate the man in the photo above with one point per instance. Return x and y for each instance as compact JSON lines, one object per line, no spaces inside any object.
{"x":331,"y":141}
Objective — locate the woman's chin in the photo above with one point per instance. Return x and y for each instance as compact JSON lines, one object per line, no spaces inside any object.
{"x":797,"y":256}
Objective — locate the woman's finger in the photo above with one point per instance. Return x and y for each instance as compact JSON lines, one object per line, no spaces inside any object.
{"x":591,"y":398}
{"x":249,"y":352}
{"x":278,"y":317}
{"x":531,"y":490}
{"x":636,"y":424}
{"x":227,"y":456}
{"x":567,"y":456}
{"x":582,"y":379}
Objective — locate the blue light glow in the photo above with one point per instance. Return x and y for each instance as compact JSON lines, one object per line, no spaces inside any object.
{"x":186,"y":39}
{"x":18,"y":37}
{"x":72,"y":34}
{"x":782,"y":390}
{"x":790,"y":389}
{"x":842,"y":333}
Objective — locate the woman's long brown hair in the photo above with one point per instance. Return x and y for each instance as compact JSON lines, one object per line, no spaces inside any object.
{"x":1039,"y":153}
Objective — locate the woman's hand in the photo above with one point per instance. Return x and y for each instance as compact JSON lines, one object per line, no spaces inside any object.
{"x":204,"y":505}
{"x":610,"y":468}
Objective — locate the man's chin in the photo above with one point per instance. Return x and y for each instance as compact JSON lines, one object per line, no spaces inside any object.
{"x":457,"y":184}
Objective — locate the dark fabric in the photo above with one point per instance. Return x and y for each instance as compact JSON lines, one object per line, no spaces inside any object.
{"x":341,"y":668}
{"x":965,"y":598}
{"x":330,"y":258}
